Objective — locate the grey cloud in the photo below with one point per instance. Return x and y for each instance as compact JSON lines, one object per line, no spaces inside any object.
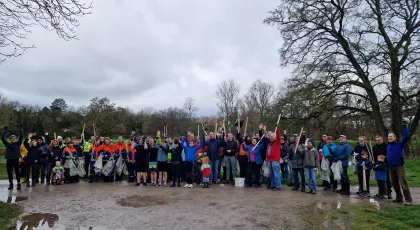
{"x":149,"y":53}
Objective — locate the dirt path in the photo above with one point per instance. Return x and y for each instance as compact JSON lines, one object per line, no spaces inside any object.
{"x":123,"y":206}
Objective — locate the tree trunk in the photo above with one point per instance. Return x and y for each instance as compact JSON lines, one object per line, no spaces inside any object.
{"x":396,"y":111}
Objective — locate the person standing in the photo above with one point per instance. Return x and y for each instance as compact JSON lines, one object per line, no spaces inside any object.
{"x":213,"y":145}
{"x":343,"y":152}
{"x":311,"y":165}
{"x":273,"y":158}
{"x":230,"y":149}
{"x":12,"y":156}
{"x":395,"y":158}
{"x":32,"y":159}
{"x":381,"y":149}
{"x":328,"y":153}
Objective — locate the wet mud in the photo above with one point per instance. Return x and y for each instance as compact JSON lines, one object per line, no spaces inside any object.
{"x":123,"y":206}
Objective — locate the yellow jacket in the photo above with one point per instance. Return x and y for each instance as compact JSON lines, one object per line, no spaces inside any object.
{"x":23,"y":152}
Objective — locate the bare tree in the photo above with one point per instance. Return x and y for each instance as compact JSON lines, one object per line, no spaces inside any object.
{"x":228,"y":92}
{"x":17,"y":17}
{"x":259,"y":96}
{"x":366,"y":49}
{"x":190,"y":106}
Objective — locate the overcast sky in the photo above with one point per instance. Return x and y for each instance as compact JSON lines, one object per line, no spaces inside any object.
{"x":149,"y":53}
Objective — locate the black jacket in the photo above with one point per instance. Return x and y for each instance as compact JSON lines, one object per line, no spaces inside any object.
{"x":12,"y":149}
{"x":142,"y":155}
{"x":56,"y":152}
{"x":359,"y":149}
{"x":34,"y":154}
{"x":153,"y":152}
{"x":232,"y":146}
{"x":379,"y":150}
{"x":177,"y":154}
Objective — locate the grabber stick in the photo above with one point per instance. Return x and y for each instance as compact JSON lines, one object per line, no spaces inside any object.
{"x":300,"y":136}
{"x":277,"y":124}
{"x":204,"y":130}
{"x":246,"y":126}
{"x":364,"y":179}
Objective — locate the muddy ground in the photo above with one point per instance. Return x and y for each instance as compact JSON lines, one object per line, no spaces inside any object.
{"x":123,"y":206}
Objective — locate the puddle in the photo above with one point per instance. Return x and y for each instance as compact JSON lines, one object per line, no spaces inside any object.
{"x":142,"y":201}
{"x":12,"y":199}
{"x":36,"y":221}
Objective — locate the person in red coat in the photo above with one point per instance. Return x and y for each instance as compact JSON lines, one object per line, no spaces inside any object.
{"x":273,"y":144}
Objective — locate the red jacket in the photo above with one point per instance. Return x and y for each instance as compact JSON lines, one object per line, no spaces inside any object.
{"x":275,"y":148}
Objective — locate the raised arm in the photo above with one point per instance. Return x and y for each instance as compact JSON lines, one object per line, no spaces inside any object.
{"x":26,"y":144}
{"x":3,"y":138}
{"x":278,"y":136}
{"x":404,"y":137}
{"x":20,"y":135}
{"x":239,"y":137}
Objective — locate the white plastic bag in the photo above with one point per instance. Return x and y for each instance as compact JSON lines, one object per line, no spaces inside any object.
{"x":337,"y":169}
{"x":354,"y":163}
{"x":81,"y":166}
{"x":326,"y":173}
{"x":108,"y":168}
{"x":119,"y":166}
{"x":125,"y":170}
{"x":266,"y":171}
{"x":72,"y":167}
{"x":98,"y":164}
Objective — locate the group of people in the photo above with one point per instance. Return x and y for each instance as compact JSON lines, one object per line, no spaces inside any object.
{"x":200,"y":159}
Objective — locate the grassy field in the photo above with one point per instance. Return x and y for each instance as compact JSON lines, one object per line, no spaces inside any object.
{"x":8,"y":214}
{"x":356,"y":216}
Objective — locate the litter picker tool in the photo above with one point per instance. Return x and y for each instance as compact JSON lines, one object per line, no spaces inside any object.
{"x":364,"y":178}
{"x":246,"y":126}
{"x":204,"y":130}
{"x":300,"y":136}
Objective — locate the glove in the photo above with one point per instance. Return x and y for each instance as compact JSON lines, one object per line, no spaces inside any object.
{"x":111,"y":159}
{"x":5,"y":129}
{"x":19,"y":127}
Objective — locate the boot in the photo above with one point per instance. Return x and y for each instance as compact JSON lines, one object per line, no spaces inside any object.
{"x":295,"y":188}
{"x":19,"y":187}
{"x":10,"y":186}
{"x":173,"y":185}
{"x":389,"y":195}
{"x":90,"y":182}
{"x":28,"y":184}
{"x":313,"y":191}
{"x":208,"y":186}
{"x":48,"y":182}
{"x":205,"y":185}
{"x":33,"y":184}
{"x":179,"y":185}
{"x":290,"y":184}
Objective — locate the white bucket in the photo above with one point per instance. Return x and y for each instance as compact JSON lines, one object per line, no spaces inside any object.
{"x":239,"y":182}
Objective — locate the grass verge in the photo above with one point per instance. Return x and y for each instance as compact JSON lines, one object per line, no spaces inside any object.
{"x":356,"y":216}
{"x":9,"y":214}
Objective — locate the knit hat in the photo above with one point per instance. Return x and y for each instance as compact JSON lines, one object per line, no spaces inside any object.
{"x":12,"y":136}
{"x":312,"y":142}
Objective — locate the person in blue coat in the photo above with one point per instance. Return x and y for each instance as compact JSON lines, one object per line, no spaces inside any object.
{"x":343,"y":152}
{"x":395,"y":156}
{"x":381,"y":172}
{"x":190,"y":159}
{"x":213,"y":145}
{"x":364,"y":164}
{"x":328,"y":153}
{"x":254,"y":163}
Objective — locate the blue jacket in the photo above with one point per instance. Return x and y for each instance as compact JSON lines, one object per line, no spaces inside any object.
{"x":213,"y":149}
{"x":326,"y":152}
{"x":395,"y":150}
{"x":190,"y":151}
{"x":162,"y":153}
{"x":342,"y":153}
{"x":368,"y":164}
{"x":257,"y":152}
{"x":380,"y":171}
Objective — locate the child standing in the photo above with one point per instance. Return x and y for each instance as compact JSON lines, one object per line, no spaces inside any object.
{"x":205,"y":172}
{"x":380,"y":169}
{"x":176,"y":159}
{"x":364,"y":165}
{"x":311,"y":164}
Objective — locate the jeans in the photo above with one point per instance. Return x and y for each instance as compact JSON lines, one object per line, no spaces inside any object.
{"x":49,"y":169}
{"x":214,"y":165}
{"x":274,"y":167}
{"x":292,"y":176}
{"x":382,"y":187}
{"x":206,"y":180}
{"x":31,"y":167}
{"x":311,"y":177}
{"x":92,"y":174}
{"x":284,"y":170}
{"x":230,"y":163}
{"x":176,"y":168}
{"x":299,"y":172}
{"x":189,"y":166}
{"x":13,"y":164}
{"x":345,"y":181}
{"x":253,"y":172}
{"x":243,"y":165}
